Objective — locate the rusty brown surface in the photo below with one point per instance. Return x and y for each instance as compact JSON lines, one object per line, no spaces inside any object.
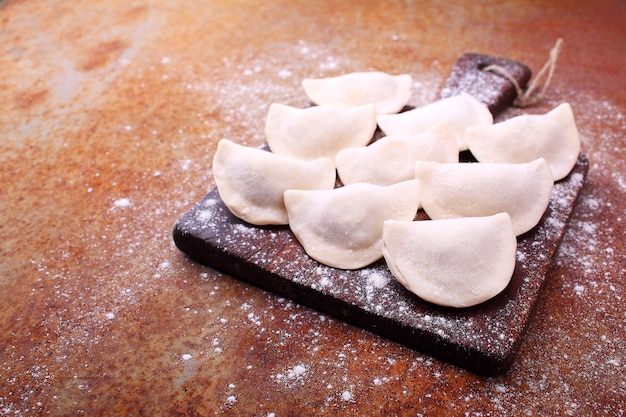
{"x":111,"y":112}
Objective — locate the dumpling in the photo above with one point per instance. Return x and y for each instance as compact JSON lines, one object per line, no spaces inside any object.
{"x":456,"y":262}
{"x":390,"y":93}
{"x":552,"y":136}
{"x":343,"y":227}
{"x":483,"y":189}
{"x":391,"y":159}
{"x":251,"y":181}
{"x":458,"y":112}
{"x":319,"y":131}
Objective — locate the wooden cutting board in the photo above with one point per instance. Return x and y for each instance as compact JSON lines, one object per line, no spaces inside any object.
{"x":483,"y":339}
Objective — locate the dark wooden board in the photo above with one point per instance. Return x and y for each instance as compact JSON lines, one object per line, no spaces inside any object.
{"x":483,"y":339}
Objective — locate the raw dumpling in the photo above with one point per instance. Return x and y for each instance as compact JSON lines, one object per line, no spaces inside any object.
{"x":392,"y":158}
{"x":251,"y":181}
{"x":483,"y":189}
{"x":319,"y":131}
{"x":389,"y":93}
{"x":458,"y":112}
{"x":456,"y":262}
{"x":343,"y":227}
{"x":552,"y":136}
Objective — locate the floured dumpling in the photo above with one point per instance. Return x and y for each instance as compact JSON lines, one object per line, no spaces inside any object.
{"x":552,"y":136}
{"x":483,"y":189}
{"x":458,"y":112}
{"x":319,"y":131}
{"x":392,"y":158}
{"x":389,"y":93}
{"x":343,"y":227}
{"x":251,"y":181}
{"x":457,"y":262}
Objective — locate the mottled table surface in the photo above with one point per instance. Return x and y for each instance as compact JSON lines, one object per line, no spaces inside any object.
{"x":110,"y":116}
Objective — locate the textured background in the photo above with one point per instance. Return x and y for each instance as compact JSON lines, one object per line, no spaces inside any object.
{"x":110,"y":115}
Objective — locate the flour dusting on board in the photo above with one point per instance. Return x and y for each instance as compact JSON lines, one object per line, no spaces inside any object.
{"x":373,"y":290}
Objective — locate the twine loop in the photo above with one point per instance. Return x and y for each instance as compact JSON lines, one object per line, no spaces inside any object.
{"x":526,"y":98}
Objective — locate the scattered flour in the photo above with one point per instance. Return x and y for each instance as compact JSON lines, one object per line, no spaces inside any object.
{"x":600,"y":328}
{"x":122,"y":202}
{"x":347,"y":396}
{"x":297,"y":371}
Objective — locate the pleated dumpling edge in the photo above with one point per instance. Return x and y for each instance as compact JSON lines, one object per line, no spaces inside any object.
{"x":343,"y":227}
{"x":251,"y":181}
{"x":389,"y":93}
{"x":454,"y":263}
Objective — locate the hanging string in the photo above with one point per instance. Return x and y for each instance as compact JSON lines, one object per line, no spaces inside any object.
{"x":526,"y":98}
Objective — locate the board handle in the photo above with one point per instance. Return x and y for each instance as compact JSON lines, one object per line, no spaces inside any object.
{"x":494,"y":90}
